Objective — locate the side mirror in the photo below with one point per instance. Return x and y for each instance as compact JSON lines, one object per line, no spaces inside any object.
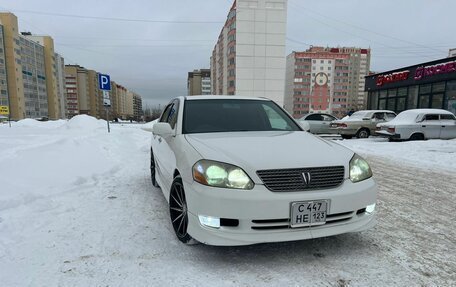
{"x":162,"y":129}
{"x":305,"y":125}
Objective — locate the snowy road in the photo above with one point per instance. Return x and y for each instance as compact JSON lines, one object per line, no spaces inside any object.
{"x":111,"y":228}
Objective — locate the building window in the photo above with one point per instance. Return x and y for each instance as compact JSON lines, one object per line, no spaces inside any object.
{"x":412,"y":97}
{"x":451,"y":96}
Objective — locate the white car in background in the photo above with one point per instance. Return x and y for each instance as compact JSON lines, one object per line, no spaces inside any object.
{"x":420,"y":124}
{"x":239,"y":171}
{"x":318,"y":122}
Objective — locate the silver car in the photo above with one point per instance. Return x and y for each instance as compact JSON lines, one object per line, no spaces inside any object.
{"x":318,"y":122}
{"x":420,"y":124}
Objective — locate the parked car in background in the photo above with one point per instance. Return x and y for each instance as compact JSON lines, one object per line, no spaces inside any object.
{"x":318,"y":122}
{"x":420,"y":124}
{"x":361,"y":124}
{"x":239,"y":171}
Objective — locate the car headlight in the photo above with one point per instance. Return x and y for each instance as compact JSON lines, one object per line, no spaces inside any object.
{"x":359,"y":169}
{"x":220,"y":174}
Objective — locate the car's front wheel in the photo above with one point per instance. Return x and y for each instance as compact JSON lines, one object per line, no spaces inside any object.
{"x":178,"y":211}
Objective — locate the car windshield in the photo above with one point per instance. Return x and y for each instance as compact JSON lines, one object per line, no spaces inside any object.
{"x":233,"y":115}
{"x":359,"y":115}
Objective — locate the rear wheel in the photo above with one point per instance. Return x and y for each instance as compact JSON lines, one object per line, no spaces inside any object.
{"x":153,"y":169}
{"x":363,"y":133}
{"x":417,"y":137}
{"x":179,"y":212}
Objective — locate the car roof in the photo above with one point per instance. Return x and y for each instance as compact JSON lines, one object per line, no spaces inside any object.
{"x":222,"y":97}
{"x":376,"y":111}
{"x":427,"y":111}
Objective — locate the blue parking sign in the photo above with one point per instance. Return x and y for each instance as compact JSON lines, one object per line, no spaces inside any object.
{"x":104,"y":82}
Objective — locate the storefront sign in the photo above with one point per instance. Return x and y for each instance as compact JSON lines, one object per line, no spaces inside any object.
{"x":393,"y":77}
{"x":4,"y":110}
{"x":429,"y":71}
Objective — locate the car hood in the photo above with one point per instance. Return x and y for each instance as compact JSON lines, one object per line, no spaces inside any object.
{"x":254,"y":151}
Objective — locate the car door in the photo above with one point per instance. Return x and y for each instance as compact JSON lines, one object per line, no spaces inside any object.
{"x":377,"y":118}
{"x":431,"y":126}
{"x":163,"y":154}
{"x":315,"y":122}
{"x":327,"y":119}
{"x":448,"y":126}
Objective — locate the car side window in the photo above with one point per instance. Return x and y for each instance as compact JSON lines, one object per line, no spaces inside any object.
{"x":328,"y":118}
{"x":164,"y":117}
{"x":447,"y":117}
{"x":379,"y":116}
{"x":314,"y":117}
{"x":172,"y":118}
{"x":431,"y":117}
{"x":390,"y":116}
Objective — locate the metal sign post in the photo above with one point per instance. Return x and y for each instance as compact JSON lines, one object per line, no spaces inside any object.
{"x":104,"y":84}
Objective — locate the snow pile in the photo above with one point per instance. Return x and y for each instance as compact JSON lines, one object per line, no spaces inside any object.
{"x":439,"y":154}
{"x":85,"y":122}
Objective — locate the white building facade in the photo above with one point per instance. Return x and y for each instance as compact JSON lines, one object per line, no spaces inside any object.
{"x":249,"y":57}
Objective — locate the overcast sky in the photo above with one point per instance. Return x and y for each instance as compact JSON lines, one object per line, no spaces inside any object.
{"x":153,"y":58}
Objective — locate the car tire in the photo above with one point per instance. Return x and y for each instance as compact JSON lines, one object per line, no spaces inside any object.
{"x":346,"y":137}
{"x":417,"y":137}
{"x":153,"y":171}
{"x":363,"y":133}
{"x":178,"y":211}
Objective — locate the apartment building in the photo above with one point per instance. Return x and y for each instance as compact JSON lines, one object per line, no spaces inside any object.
{"x":31,"y":75}
{"x":329,"y":80}
{"x":199,"y":82}
{"x":137,"y":107}
{"x":61,"y":91}
{"x":77,"y":90}
{"x":249,"y":57}
{"x":4,"y":104}
{"x":121,"y":92}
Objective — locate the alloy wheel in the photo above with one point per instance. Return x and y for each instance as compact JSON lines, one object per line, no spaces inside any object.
{"x":178,"y":211}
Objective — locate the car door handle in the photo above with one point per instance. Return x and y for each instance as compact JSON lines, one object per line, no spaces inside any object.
{"x":443,"y":126}
{"x":423,"y":126}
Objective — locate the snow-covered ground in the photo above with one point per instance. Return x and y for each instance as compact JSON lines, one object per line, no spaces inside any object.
{"x":77,"y":209}
{"x":435,"y":154}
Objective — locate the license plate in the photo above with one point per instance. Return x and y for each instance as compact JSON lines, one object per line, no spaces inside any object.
{"x":308,"y":213}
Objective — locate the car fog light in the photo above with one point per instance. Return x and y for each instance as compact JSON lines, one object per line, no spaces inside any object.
{"x":209,"y":221}
{"x":370,"y":208}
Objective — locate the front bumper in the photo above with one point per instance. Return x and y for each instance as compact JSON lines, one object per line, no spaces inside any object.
{"x":264,"y":215}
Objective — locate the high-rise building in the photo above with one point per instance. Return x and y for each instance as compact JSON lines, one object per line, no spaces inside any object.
{"x":32,"y":62}
{"x":327,"y":80}
{"x":137,"y":107}
{"x":249,"y":57}
{"x":122,"y":101}
{"x":199,"y":82}
{"x":77,"y":90}
{"x":31,"y":72}
{"x":50,"y":73}
{"x":61,"y":91}
{"x":4,"y":104}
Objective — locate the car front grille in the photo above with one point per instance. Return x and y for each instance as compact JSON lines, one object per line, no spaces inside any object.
{"x":300,"y":179}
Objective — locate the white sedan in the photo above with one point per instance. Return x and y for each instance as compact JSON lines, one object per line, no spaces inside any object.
{"x":239,"y":171}
{"x":420,"y":124}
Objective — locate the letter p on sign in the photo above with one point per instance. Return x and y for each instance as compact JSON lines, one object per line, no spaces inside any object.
{"x":104,"y":82}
